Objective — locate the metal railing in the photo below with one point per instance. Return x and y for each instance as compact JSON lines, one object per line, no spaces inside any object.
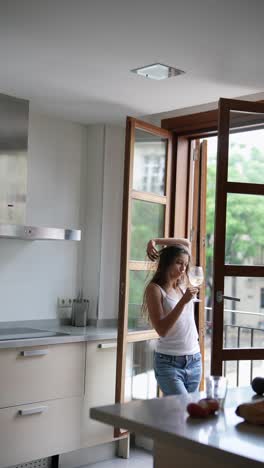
{"x":233,"y":338}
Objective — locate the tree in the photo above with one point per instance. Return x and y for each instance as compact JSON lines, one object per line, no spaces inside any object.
{"x":245,"y":213}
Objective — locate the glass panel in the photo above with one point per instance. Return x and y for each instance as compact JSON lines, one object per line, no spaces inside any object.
{"x":147,"y":223}
{"x":137,"y":283}
{"x":210,"y":219}
{"x":244,"y":229}
{"x":244,"y":320}
{"x":140,"y":382}
{"x":246,"y":148}
{"x":230,"y":371}
{"x":150,"y":153}
{"x":257,"y":368}
{"x":241,"y":373}
{"x":208,"y":320}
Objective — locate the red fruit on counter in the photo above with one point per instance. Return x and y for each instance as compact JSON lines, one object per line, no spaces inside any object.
{"x":197,"y":411}
{"x":210,"y":403}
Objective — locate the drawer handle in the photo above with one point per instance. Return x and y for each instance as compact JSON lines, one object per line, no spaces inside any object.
{"x":107,"y":345}
{"x":34,"y":352}
{"x":29,"y":411}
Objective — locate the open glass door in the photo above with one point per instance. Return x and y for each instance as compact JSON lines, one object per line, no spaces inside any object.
{"x":238,"y":306}
{"x":197,"y":228}
{"x":146,"y":215}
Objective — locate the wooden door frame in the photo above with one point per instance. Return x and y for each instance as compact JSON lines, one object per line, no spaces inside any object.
{"x":202,"y":125}
{"x":223,"y":187}
{"x":123,"y":336}
{"x":184,"y":128}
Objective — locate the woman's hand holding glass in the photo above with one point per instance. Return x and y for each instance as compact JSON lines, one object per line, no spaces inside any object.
{"x":196,"y":278}
{"x":189,"y":294}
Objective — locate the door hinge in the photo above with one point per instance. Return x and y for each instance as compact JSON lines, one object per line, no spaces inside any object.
{"x":192,"y":231}
{"x":122,"y":288}
{"x":219,"y":297}
{"x":195,"y":154}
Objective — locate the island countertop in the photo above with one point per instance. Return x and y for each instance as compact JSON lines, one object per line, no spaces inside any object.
{"x":166,"y":420}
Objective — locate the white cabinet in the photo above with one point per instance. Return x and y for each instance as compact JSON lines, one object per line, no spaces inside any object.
{"x":100,"y":375}
{"x":41,"y":373}
{"x":29,"y":432}
{"x":46,"y":393}
{"x":41,"y":397}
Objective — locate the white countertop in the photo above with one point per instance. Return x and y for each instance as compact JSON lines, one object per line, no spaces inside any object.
{"x":166,"y":420}
{"x":74,"y":334}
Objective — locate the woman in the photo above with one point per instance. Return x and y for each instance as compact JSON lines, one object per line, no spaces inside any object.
{"x":168,"y":300}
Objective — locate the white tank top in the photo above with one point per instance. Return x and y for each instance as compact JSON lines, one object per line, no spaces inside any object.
{"x":182,"y":338}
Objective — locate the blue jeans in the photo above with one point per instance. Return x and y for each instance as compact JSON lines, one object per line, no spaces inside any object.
{"x":177,"y":375}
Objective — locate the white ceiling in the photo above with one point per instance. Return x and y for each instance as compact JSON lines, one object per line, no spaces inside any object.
{"x":72,"y":58}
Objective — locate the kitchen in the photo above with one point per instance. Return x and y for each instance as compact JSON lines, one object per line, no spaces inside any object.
{"x":38,"y":344}
{"x":74,"y":181}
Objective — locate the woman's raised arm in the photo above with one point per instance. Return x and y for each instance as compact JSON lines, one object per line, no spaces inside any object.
{"x":168,"y":241}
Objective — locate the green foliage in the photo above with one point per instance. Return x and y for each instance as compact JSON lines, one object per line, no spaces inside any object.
{"x":245,"y":213}
{"x":147,"y":223}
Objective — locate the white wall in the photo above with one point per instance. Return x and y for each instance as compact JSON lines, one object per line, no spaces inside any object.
{"x":103,"y":219}
{"x":34,"y":274}
{"x":156,"y":119}
{"x":93,"y":194}
{"x":111,"y":221}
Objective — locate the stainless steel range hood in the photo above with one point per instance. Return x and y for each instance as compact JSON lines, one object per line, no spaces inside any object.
{"x":16,"y":231}
{"x":13,"y":176}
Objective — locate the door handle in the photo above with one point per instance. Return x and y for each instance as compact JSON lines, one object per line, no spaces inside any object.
{"x":34,"y":352}
{"x":220,"y":297}
{"x":231,"y":298}
{"x":107,"y":345}
{"x":29,"y":411}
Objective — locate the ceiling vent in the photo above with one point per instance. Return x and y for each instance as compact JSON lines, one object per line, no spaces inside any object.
{"x":157,"y":71}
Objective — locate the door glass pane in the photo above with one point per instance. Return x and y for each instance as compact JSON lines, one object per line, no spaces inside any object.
{"x":147,"y":223}
{"x":150,"y":153}
{"x":246,"y":157}
{"x":140,"y":382}
{"x":244,"y":320}
{"x":241,"y":373}
{"x":244,"y":229}
{"x":137,"y":284}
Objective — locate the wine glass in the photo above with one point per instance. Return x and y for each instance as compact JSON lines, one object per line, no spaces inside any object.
{"x":196,"y":277}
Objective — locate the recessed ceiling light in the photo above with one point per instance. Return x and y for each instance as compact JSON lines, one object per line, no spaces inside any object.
{"x":157,"y":71}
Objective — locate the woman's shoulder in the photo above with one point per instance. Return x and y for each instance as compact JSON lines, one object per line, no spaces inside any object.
{"x":154,"y":288}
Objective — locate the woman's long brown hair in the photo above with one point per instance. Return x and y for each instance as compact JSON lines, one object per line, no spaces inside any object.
{"x":167,"y":257}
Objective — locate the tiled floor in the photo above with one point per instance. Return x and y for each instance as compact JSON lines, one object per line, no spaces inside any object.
{"x":138,"y":459}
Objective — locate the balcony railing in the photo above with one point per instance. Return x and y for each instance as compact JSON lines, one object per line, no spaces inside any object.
{"x":239,"y":336}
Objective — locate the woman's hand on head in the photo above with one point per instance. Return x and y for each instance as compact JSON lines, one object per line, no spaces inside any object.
{"x":152,"y":252}
{"x":189,"y":294}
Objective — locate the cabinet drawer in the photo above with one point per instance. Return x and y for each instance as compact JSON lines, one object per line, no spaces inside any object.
{"x":41,"y":373}
{"x":29,"y":432}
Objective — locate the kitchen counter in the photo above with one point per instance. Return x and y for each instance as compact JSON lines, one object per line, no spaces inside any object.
{"x":69,"y":334}
{"x":223,"y":440}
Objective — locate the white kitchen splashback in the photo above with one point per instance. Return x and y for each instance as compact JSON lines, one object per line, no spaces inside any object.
{"x":34,"y":274}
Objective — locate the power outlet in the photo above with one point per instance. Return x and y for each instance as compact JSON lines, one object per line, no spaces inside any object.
{"x":64,"y":302}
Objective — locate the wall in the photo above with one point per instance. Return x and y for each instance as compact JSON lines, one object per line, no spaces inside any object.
{"x":103,"y":219}
{"x":111,"y":221}
{"x":156,"y":119}
{"x":34,"y":274}
{"x":93,"y":194}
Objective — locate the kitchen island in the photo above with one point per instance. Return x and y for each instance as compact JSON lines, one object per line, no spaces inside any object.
{"x":221,"y":441}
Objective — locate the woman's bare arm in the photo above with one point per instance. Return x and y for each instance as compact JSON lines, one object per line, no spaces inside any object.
{"x":160,"y":322}
{"x":168,"y":241}
{"x":172,"y":241}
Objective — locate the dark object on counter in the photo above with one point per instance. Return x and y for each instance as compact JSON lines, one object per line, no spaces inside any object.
{"x":80,"y":309}
{"x":258,"y":385}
